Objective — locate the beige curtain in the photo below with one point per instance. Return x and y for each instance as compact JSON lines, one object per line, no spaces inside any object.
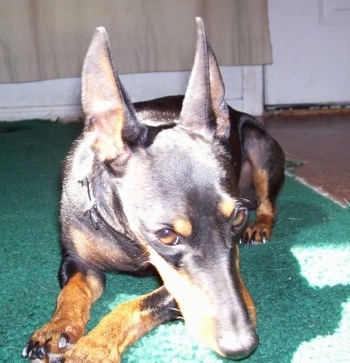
{"x":48,"y":39}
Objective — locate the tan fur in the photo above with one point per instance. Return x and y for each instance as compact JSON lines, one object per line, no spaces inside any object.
{"x":244,"y":291}
{"x":265,"y":213}
{"x":72,"y":311}
{"x":226,"y":207}
{"x":135,"y":195}
{"x":183,"y":227}
{"x":93,"y":248}
{"x":115,"y":332}
{"x":198,"y":317}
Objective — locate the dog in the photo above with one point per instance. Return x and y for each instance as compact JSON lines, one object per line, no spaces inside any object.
{"x":166,"y":183}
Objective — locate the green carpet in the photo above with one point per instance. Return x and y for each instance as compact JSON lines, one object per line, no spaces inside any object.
{"x":300,"y":281}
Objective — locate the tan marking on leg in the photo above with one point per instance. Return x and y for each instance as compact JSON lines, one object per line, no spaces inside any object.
{"x":260,"y":180}
{"x":77,"y":297}
{"x":265,"y":213}
{"x":183,"y":227}
{"x":115,"y":332}
{"x":72,"y":312}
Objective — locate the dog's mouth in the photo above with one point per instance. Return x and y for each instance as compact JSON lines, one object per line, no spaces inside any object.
{"x":213,"y":309}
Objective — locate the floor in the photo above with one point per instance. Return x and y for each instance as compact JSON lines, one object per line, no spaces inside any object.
{"x":317,"y":148}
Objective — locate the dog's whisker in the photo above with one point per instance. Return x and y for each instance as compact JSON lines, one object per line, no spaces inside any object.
{"x":180,"y":317}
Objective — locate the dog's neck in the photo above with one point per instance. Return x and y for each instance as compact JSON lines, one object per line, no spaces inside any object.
{"x":92,"y":207}
{"x":97,"y":217}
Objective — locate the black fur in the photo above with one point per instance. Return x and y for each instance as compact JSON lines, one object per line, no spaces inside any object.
{"x":188,"y":167}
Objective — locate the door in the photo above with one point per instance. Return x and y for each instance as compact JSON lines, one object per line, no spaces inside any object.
{"x":311,"y":53}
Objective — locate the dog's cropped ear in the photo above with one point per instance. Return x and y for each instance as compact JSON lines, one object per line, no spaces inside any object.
{"x":204,"y":109}
{"x":111,"y":121}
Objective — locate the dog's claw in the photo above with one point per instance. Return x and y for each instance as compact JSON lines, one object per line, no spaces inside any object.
{"x":33,"y":351}
{"x":63,"y":341}
{"x":40,"y":352}
{"x":25,"y":352}
{"x":244,"y":240}
{"x":256,"y":233}
{"x":252,"y":240}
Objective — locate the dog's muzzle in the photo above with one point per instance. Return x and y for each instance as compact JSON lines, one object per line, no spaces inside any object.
{"x":229,"y":346}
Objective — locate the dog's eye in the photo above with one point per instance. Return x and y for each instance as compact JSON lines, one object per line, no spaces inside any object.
{"x":240,"y":218}
{"x":168,"y":237}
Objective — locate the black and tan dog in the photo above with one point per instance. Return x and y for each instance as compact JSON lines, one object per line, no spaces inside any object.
{"x":161,"y":183}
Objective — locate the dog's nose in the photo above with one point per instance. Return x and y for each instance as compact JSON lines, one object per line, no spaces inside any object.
{"x":236,"y":349}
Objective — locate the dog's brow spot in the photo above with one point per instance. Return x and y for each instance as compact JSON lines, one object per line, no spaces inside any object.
{"x":226,"y":207}
{"x":182,"y":227}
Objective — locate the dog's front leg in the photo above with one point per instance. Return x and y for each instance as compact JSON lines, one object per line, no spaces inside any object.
{"x":68,"y":322}
{"x":263,"y":170}
{"x":123,"y":327}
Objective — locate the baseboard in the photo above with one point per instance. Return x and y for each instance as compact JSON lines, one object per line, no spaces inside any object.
{"x":308,"y":109}
{"x":60,"y":99}
{"x":62,"y":113}
{"x":50,"y":100}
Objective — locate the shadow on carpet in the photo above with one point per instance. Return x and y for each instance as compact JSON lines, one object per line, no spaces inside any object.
{"x":300,"y":280}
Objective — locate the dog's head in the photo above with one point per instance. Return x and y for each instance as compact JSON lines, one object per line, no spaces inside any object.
{"x":177,"y":191}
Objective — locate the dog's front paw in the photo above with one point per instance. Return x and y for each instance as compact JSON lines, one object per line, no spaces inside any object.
{"x":93,"y":349}
{"x":256,"y":232}
{"x":50,"y":343}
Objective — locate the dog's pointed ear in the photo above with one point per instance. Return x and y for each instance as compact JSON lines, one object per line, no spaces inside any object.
{"x":218,"y":104}
{"x":111,"y":121}
{"x":204,"y":108}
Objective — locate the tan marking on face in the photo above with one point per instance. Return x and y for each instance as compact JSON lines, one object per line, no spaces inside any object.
{"x":183,"y":227}
{"x":243,"y":289}
{"x":196,"y":308}
{"x":226,"y":207}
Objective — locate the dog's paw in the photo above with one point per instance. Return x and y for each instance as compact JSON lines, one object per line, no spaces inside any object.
{"x":256,"y":232}
{"x":93,"y":349}
{"x":50,"y":343}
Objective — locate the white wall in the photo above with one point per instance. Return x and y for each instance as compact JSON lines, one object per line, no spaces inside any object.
{"x":311,"y":52}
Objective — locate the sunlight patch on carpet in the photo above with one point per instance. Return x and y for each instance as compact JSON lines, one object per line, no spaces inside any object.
{"x":326,"y":266}
{"x":174,"y":344}
{"x":121,"y":298}
{"x":331,"y":348}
